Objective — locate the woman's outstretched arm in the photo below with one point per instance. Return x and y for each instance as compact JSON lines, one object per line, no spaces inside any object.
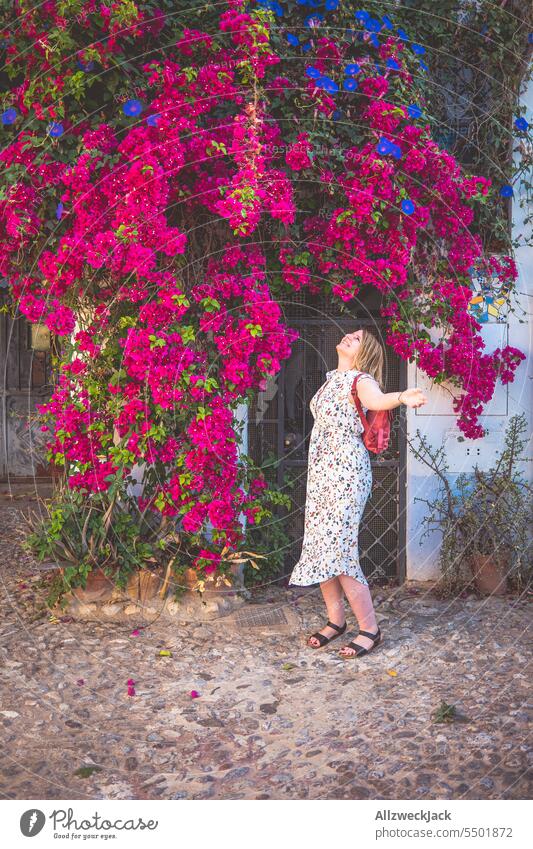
{"x":373,"y":398}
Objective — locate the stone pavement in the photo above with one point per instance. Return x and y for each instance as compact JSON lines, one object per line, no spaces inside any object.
{"x":273,"y":719}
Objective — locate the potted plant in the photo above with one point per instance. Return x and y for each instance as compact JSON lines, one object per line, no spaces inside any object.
{"x":486,"y":521}
{"x":484,"y":518}
{"x":102,"y":545}
{"x":107,"y":550}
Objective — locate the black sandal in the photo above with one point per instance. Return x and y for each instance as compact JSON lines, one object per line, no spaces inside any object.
{"x":360,"y":650}
{"x":322,"y":639}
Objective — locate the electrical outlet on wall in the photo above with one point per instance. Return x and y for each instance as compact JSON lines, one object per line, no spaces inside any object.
{"x":463,"y":453}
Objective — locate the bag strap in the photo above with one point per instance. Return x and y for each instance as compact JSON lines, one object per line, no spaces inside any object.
{"x":358,"y":403}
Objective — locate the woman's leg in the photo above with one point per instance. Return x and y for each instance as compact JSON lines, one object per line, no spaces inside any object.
{"x":334,"y":599}
{"x":360,"y":601}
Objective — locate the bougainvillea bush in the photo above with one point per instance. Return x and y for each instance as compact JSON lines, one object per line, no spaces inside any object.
{"x":170,"y":174}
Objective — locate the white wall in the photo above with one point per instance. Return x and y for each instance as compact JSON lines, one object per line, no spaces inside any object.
{"x":436,"y":420}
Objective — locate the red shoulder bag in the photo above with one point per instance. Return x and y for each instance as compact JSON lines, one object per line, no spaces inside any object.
{"x":376,"y":424}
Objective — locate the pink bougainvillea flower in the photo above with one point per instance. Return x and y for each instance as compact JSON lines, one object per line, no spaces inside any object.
{"x":194,"y":694}
{"x":208,"y":560}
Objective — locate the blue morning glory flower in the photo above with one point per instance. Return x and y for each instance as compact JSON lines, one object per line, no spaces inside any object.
{"x":328,"y":84}
{"x":59,"y":210}
{"x":374,"y":39}
{"x":414,"y":110}
{"x":387,"y":21}
{"x":506,"y":191}
{"x":337,"y":114}
{"x":132,"y":107}
{"x":9,"y":116}
{"x":56,"y":130}
{"x":392,"y":63}
{"x":349,"y":84}
{"x":313,"y":20}
{"x":530,"y":38}
{"x":402,"y":33}
{"x":331,"y":5}
{"x":384,"y":146}
{"x":362,"y":16}
{"x":313,"y":72}
{"x":521,"y":124}
{"x":417,"y":48}
{"x":270,"y":4}
{"x":85,"y":66}
{"x":352,"y":69}
{"x":152,"y":120}
{"x":302,"y":2}
{"x":373,"y":25}
{"x":293,"y":39}
{"x":408,"y":207}
{"x":423,"y":66}
{"x":306,"y":47}
{"x":396,"y":151}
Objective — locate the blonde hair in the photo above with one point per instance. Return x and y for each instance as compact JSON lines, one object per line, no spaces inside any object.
{"x":370,"y":356}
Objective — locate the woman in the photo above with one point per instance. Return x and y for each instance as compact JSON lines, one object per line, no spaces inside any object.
{"x":339,"y":482}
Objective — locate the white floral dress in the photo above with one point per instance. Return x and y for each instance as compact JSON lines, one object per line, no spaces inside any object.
{"x":339,"y":482}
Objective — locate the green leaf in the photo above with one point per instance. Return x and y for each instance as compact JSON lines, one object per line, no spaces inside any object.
{"x":254,"y":329}
{"x":87,"y":771}
{"x":188,"y":333}
{"x":210,"y":304}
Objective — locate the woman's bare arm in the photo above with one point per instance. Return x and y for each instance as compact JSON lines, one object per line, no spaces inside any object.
{"x":373,"y":398}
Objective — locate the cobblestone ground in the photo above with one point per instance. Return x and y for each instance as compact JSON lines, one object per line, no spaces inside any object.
{"x":273,"y":719}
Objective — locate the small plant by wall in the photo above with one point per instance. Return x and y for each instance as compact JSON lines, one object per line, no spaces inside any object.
{"x":486,"y":513}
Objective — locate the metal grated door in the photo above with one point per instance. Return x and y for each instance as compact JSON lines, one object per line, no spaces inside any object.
{"x":280,"y":423}
{"x":26,"y":375}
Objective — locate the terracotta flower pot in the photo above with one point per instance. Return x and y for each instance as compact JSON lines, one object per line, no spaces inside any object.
{"x":489,"y":571}
{"x":132,"y":587}
{"x":189,"y":578}
{"x":144,"y":584}
{"x":98,"y":587}
{"x":149,"y":584}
